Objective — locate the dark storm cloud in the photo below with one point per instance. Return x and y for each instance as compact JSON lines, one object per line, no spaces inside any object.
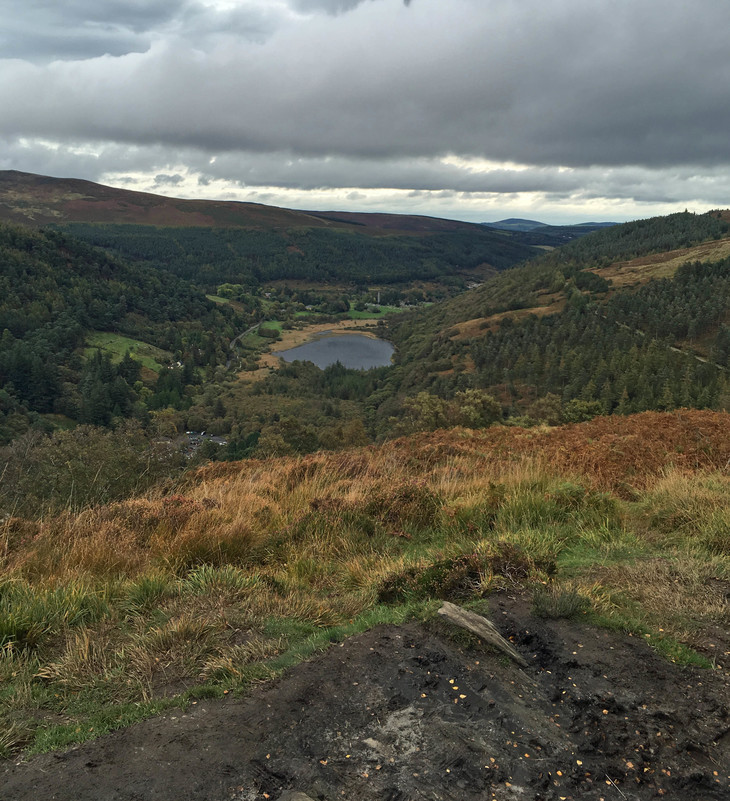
{"x":633,"y":96}
{"x":564,"y":82}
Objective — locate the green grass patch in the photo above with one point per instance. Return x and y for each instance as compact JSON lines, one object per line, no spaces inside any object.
{"x":218,"y":299}
{"x":370,"y":315}
{"x":60,"y":422}
{"x":555,"y":603}
{"x":117,"y":346}
{"x":623,"y":621}
{"x":99,"y":721}
{"x":273,"y":324}
{"x":587,"y":551}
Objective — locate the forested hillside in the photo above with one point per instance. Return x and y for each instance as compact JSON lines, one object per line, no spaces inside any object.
{"x":561,"y":269}
{"x":55,"y":292}
{"x":214,"y":242}
{"x":587,"y":348}
{"x":212,"y":256}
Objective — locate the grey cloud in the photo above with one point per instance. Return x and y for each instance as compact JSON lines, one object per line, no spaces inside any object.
{"x":82,"y":29}
{"x":78,"y":159}
{"x":330,"y":6}
{"x":561,"y":83}
{"x":137,"y":15}
{"x":168,"y":180}
{"x":420,"y":177}
{"x":51,"y":45}
{"x":44,"y":31}
{"x":632,"y":95}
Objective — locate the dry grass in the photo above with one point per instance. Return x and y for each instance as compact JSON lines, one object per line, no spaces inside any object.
{"x":241,"y":513}
{"x":548,"y":303}
{"x":145,"y":598}
{"x":662,"y":265}
{"x":667,"y":589}
{"x":690,"y":511}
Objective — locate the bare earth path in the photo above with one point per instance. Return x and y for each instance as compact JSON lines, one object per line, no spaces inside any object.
{"x":405,"y":713}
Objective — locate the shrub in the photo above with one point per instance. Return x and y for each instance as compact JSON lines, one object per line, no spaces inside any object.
{"x":455,"y":579}
{"x":411,"y":502}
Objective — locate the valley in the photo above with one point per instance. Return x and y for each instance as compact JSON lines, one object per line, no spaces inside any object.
{"x":548,"y":448}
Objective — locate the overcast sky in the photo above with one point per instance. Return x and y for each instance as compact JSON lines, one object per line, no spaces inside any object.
{"x":557,"y":110}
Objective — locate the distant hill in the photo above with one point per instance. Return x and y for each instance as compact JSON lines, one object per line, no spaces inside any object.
{"x":214,"y":242}
{"x":39,"y":200}
{"x":247,"y":243}
{"x":537,"y":234}
{"x":515,"y":224}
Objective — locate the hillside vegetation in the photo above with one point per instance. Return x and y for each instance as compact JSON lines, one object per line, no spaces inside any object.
{"x":216,"y":242}
{"x":131,"y":607}
{"x":557,"y":328}
{"x":36,"y":200}
{"x":575,"y":263}
{"x":213,"y":256}
{"x":56,"y":294}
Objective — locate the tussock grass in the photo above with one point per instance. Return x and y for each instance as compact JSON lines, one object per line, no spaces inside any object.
{"x":119,"y":611}
{"x":559,"y":602}
{"x":690,"y":511}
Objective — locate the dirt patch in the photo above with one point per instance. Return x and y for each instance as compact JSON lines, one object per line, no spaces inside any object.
{"x":549,"y":304}
{"x":408,"y":713}
{"x":292,"y":338}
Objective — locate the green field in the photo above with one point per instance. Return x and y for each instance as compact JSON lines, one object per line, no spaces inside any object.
{"x":117,"y":345}
{"x":368,"y":315}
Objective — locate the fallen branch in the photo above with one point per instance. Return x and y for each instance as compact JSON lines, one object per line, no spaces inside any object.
{"x":482,"y":628}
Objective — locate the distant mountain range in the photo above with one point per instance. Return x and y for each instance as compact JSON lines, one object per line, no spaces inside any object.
{"x":539,"y":234}
{"x":517,"y":224}
{"x":216,"y":242}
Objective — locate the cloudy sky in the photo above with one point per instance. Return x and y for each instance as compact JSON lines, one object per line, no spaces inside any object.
{"x":558,"y":110}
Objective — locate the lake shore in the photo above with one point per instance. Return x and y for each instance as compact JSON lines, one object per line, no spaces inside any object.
{"x":292,"y":338}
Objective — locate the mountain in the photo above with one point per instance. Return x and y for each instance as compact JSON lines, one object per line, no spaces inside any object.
{"x":39,"y":200}
{"x":537,"y":234}
{"x":515,"y":224}
{"x":631,"y":317}
{"x":216,"y":242}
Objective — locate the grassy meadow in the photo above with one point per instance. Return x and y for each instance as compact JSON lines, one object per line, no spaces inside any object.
{"x":119,"y":611}
{"x":116,"y":346}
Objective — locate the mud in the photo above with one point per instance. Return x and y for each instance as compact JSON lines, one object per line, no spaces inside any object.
{"x":410,"y":713}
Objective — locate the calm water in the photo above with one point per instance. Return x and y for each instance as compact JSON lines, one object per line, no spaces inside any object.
{"x":351,"y":350}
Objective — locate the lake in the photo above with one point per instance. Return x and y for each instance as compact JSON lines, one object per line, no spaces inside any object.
{"x":355,"y":351}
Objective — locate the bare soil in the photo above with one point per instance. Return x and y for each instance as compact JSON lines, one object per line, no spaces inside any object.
{"x":414,"y":712}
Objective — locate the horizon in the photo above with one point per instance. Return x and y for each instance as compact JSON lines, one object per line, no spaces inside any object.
{"x":461,"y":110}
{"x":546,"y":215}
